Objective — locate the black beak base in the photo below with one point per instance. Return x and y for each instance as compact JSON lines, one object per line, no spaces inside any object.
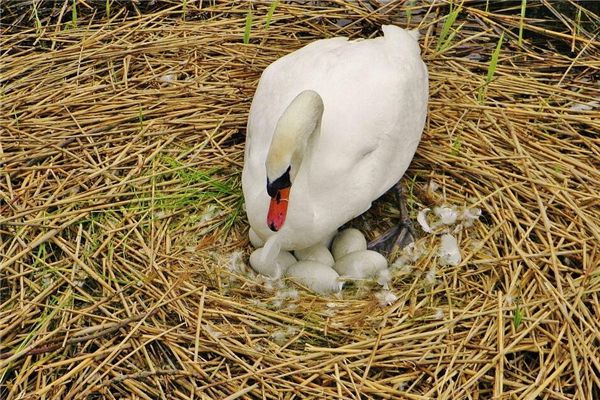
{"x":280,"y":183}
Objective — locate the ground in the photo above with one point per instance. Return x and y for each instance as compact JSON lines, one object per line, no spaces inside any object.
{"x":123,"y":238}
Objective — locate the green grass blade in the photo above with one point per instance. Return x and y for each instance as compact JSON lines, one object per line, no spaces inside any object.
{"x":494,"y":61}
{"x":456,"y":146}
{"x":517,"y":317}
{"x":74,"y":14}
{"x":491,"y":69}
{"x":234,"y":215}
{"x":38,"y":23}
{"x":248,"y":27}
{"x":577,"y":23}
{"x":107,"y":8}
{"x":272,"y":8}
{"x":448,"y":40}
{"x":183,"y":8}
{"x":141,"y":116}
{"x":443,"y":39}
{"x":409,"y":4}
{"x":523,"y":8}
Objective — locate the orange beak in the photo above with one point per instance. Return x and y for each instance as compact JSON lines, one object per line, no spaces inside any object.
{"x":278,"y":209}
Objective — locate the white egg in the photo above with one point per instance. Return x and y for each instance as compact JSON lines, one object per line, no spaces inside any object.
{"x":255,"y":239}
{"x":318,"y":253}
{"x":316,"y":276}
{"x":361,"y":264}
{"x":348,"y":241}
{"x":274,"y":268}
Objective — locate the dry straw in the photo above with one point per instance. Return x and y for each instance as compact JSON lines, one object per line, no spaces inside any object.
{"x":121,"y":146}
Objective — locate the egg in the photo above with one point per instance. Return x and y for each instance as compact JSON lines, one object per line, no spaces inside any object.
{"x":318,"y":253}
{"x":361,"y":265}
{"x":348,"y":241}
{"x":315,"y":276}
{"x":255,"y":240}
{"x":274,"y":268}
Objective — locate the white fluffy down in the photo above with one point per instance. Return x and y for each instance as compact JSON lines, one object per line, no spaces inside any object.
{"x":318,"y":253}
{"x":275,"y":269}
{"x":348,"y":241}
{"x":449,"y":251}
{"x":361,"y":264}
{"x":422,"y":220}
{"x":386,"y":298}
{"x":470,"y":215}
{"x":316,"y":276}
{"x":447,"y":215}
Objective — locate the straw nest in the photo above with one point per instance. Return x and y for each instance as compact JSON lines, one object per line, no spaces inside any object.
{"x":123,"y":240}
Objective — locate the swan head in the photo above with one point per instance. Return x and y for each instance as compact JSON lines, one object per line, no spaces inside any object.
{"x":288,"y":147}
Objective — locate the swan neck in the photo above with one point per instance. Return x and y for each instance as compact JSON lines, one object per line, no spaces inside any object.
{"x":299,"y":124}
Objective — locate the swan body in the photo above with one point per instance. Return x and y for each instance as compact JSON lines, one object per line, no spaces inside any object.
{"x":332,"y":127}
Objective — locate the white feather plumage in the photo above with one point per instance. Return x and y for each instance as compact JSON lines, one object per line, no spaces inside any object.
{"x":374,"y":94}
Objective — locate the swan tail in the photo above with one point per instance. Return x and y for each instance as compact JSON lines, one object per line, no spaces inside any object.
{"x":415,"y":34}
{"x":396,"y":33}
{"x":399,"y":37}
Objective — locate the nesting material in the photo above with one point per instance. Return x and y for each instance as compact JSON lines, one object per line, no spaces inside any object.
{"x":318,"y":253}
{"x":401,"y":268}
{"x":348,"y":241}
{"x":92,"y":145}
{"x":273,"y":268}
{"x":432,"y":187}
{"x":361,"y":265}
{"x":315,"y":276}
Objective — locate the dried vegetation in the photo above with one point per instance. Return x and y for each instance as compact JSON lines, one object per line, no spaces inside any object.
{"x":121,"y":145}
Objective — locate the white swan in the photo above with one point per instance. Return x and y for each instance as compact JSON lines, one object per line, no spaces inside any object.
{"x":332,"y":127}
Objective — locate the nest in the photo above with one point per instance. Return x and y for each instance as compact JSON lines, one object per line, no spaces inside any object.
{"x":123,"y":238}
